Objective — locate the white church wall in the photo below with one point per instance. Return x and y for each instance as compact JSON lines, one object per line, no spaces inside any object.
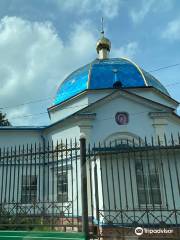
{"x":154,"y":96}
{"x":173,"y":127}
{"x":95,"y":95}
{"x":167,"y":126}
{"x":58,"y":133}
{"x":118,"y":189}
{"x":76,"y":104}
{"x":171,"y":178}
{"x":105,"y":125}
{"x":68,"y":108}
{"x":10,"y":138}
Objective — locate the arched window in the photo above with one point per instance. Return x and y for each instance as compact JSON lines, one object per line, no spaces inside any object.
{"x":145,"y":167}
{"x":124,"y":139}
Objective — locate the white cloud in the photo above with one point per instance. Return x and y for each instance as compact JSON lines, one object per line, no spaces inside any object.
{"x":20,"y":116}
{"x":34,"y":60}
{"x":138,"y":15}
{"x":148,"y":6}
{"x":107,"y":8}
{"x":172,"y":31}
{"x":129,"y":50}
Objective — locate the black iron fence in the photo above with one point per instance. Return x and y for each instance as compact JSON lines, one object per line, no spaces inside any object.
{"x":120,"y":189}
{"x":136,"y":189}
{"x":40,"y":187}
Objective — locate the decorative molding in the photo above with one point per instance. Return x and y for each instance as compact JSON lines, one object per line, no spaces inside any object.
{"x":154,"y":115}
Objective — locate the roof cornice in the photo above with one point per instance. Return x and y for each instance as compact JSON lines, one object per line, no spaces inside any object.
{"x":85,"y":111}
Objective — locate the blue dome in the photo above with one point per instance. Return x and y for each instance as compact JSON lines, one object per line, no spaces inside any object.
{"x":103,"y":74}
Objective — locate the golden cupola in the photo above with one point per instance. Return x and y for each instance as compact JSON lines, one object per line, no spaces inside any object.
{"x":103,"y":46}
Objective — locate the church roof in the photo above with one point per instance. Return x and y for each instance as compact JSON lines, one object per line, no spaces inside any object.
{"x":106,"y":74}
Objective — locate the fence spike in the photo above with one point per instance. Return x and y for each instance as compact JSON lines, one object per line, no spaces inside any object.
{"x":178,"y":138}
{"x":165,"y":139}
{"x":159,"y":142}
{"x":172,"y":139}
{"x":145,"y":140}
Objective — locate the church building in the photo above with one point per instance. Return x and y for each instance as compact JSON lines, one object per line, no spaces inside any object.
{"x":114,"y":102}
{"x":105,"y":99}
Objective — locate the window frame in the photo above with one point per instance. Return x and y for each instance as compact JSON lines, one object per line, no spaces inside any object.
{"x":150,"y":203}
{"x":62,"y":196}
{"x":29,"y":190}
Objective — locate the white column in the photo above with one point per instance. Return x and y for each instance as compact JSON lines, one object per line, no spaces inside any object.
{"x":160,"y":122}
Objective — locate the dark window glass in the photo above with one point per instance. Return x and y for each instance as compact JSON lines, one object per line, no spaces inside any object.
{"x":147,"y":178}
{"x":29,"y":189}
{"x":62,"y":187}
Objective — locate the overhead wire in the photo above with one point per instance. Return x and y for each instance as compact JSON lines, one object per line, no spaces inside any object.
{"x":161,"y":68}
{"x":46,"y":112}
{"x":102,"y":119}
{"x":27,"y":103}
{"x":51,"y":98}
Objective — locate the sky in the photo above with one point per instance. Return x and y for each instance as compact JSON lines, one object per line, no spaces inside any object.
{"x":42,"y":41}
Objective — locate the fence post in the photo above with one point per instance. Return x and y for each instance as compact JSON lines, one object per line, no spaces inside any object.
{"x":96,"y":192}
{"x":84,"y":197}
{"x":43,"y":175}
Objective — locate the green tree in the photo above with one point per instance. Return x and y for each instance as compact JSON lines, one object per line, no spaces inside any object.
{"x":3,"y":120}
